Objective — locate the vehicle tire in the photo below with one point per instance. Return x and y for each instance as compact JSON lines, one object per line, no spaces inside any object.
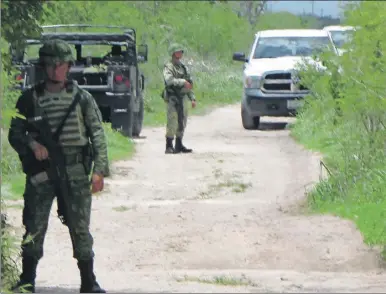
{"x":249,"y":122}
{"x":138,"y":119}
{"x":123,"y":122}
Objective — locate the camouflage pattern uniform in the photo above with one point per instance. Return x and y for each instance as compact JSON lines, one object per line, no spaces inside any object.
{"x":82,"y":126}
{"x":175,"y":75}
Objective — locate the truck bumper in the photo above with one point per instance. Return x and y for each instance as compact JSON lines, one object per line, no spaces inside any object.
{"x":257,"y":103}
{"x":95,"y":88}
{"x":110,"y":98}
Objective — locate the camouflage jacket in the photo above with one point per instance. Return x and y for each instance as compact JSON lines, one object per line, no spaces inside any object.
{"x":20,"y":132}
{"x":175,"y":75}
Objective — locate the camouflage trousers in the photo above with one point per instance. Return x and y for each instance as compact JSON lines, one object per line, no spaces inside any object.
{"x":38,"y":198}
{"x":172,"y":126}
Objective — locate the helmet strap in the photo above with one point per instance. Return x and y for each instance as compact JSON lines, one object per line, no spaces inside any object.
{"x":53,"y":81}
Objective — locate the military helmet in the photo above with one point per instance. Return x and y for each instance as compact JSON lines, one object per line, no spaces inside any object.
{"x":175,"y":48}
{"x":55,"y":51}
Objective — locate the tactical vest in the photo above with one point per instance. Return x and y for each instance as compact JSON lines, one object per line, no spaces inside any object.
{"x":54,"y":106}
{"x":180,"y":72}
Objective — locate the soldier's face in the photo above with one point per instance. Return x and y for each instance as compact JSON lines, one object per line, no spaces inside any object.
{"x":58,"y":71}
{"x":178,"y":55}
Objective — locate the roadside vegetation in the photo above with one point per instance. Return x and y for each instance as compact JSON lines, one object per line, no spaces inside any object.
{"x":210,"y":32}
{"x":345,"y":119}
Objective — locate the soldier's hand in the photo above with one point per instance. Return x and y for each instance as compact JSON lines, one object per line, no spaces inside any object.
{"x":193,"y":103}
{"x":97,"y":182}
{"x":40,"y":151}
{"x":188,"y":85}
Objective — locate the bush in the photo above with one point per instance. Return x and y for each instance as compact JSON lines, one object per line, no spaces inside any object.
{"x":9,"y":270}
{"x":345,"y":118}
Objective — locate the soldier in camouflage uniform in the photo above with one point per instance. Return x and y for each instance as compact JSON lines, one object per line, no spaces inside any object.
{"x":178,"y":93}
{"x":83,"y":126}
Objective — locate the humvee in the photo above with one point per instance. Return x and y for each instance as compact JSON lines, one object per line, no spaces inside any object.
{"x":106,"y":65}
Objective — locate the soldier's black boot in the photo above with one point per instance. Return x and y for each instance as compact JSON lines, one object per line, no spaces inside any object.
{"x":169,"y":146}
{"x":26,"y":283}
{"x":87,"y":277}
{"x":180,"y":147}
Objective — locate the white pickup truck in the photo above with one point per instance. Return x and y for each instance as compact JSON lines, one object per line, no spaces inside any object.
{"x":271,"y":85}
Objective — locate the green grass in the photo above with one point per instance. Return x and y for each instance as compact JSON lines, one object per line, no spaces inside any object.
{"x":353,"y":192}
{"x":224,"y":182}
{"x":118,"y":146}
{"x":16,"y":185}
{"x":363,"y":200}
{"x":123,"y":208}
{"x":219,"y":280}
{"x":352,"y":137}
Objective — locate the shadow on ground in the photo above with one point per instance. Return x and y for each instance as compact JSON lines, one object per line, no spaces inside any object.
{"x":56,"y":290}
{"x":272,"y":126}
{"x":140,"y":137}
{"x":76,"y":290}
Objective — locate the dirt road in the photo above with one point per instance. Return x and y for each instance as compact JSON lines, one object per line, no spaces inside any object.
{"x":223,"y":219}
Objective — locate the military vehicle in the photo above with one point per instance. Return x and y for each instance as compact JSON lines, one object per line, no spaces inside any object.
{"x":106,"y":65}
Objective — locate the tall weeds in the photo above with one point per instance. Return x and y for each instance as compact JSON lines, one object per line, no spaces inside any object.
{"x":345,"y":118}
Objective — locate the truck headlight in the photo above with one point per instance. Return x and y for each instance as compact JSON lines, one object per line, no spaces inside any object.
{"x":252,"y":82}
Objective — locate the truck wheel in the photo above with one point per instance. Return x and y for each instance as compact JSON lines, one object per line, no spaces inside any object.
{"x":123,"y":122}
{"x":249,"y":122}
{"x":138,"y":119}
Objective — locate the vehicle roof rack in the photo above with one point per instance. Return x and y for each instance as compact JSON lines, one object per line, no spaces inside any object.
{"x":126,"y":30}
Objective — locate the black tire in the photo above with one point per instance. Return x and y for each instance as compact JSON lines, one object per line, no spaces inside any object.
{"x":138,"y":119}
{"x":123,"y":122}
{"x":256,"y":122}
{"x":249,"y":122}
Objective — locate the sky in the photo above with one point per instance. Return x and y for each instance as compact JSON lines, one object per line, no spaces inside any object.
{"x":297,"y":7}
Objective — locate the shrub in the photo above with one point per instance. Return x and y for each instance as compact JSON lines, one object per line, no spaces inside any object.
{"x":345,"y":118}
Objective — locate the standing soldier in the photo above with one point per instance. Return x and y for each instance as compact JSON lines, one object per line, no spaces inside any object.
{"x":81,"y":142}
{"x":178,"y":92}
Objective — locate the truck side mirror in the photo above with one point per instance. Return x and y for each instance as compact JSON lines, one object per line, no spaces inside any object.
{"x":239,"y":56}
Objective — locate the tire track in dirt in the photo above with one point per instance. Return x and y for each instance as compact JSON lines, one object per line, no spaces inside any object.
{"x":223,"y":219}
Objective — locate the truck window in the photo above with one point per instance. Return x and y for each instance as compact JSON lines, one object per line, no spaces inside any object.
{"x":31,"y":52}
{"x":340,"y":37}
{"x":273,"y":47}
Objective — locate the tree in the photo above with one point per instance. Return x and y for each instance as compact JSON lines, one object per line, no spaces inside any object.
{"x":252,"y":10}
{"x":20,"y":19}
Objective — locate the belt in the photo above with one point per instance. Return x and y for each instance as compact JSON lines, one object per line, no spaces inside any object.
{"x":72,"y":159}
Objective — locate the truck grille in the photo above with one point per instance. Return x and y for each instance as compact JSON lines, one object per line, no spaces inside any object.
{"x":281,"y":82}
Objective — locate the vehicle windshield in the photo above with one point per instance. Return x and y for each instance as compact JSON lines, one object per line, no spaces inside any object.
{"x":273,"y":47}
{"x":340,"y":37}
{"x":31,"y":52}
